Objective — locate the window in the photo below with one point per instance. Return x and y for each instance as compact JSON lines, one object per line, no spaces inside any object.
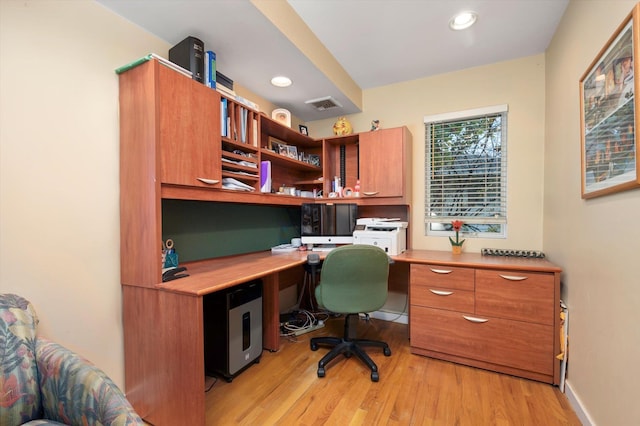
{"x":466,"y":172}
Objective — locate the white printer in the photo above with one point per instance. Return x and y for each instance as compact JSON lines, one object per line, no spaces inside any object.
{"x":388,"y":234}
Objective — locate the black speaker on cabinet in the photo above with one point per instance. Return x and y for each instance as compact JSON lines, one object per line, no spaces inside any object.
{"x":189,"y":54}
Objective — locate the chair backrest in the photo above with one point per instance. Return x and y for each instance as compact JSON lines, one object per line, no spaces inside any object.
{"x":21,"y":400}
{"x":354,"y":279}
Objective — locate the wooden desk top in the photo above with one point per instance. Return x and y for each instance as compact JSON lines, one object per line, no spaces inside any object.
{"x":211,"y":275}
{"x":476,"y":260}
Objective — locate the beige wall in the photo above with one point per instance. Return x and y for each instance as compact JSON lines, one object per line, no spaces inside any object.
{"x":59,"y":191}
{"x":518,"y":83}
{"x":596,"y":241}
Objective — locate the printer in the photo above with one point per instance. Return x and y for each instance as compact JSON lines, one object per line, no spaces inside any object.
{"x":388,"y":234}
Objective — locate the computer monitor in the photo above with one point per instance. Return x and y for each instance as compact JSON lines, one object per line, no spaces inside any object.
{"x":328,"y":223}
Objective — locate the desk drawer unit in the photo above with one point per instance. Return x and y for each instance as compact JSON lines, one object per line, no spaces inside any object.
{"x":503,"y":342}
{"x":515,"y":295}
{"x":499,"y":320}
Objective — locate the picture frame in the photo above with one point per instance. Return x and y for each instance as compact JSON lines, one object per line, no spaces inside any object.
{"x":303,"y":129}
{"x":292,"y":152}
{"x":609,"y":112}
{"x":314,"y":160}
{"x":275,"y":144}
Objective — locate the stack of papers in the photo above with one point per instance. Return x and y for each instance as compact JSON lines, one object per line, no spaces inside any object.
{"x":284,"y":248}
{"x":236,"y":185}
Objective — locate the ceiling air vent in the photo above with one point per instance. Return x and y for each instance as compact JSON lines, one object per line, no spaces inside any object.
{"x":323,"y":104}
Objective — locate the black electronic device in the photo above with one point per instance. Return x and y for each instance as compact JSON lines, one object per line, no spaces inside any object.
{"x":189,"y":54}
{"x":232,"y":329}
{"x":534,"y":254}
{"x":326,"y":223}
{"x":224,"y":80}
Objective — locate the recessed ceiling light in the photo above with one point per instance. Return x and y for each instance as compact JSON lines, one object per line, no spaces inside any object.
{"x":281,"y":81}
{"x":463,"y":20}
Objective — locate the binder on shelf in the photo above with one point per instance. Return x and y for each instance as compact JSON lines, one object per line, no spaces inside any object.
{"x":223,"y":117}
{"x":255,"y":132}
{"x":210,"y":69}
{"x":265,"y":176}
{"x":244,"y":114}
{"x":189,"y":54}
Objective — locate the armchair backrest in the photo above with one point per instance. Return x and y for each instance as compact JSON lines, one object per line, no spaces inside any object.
{"x":20,"y":399}
{"x":354,"y":279}
{"x":40,"y":379}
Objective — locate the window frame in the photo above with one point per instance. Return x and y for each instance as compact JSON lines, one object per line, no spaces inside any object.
{"x":442,"y":228}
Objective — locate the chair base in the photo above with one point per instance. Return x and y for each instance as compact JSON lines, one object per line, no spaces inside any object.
{"x":347,"y":346}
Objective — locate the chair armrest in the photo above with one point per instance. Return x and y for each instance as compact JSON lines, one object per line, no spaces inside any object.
{"x":74,"y":391}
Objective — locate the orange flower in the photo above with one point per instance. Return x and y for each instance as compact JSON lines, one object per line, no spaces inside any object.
{"x":457,"y":225}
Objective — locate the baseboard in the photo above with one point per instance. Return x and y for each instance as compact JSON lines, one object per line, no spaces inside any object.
{"x":577,"y":406}
{"x":399,"y":317}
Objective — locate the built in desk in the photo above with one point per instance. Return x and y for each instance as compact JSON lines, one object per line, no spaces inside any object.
{"x":460,"y":308}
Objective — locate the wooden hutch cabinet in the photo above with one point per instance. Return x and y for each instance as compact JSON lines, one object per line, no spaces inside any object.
{"x":380,"y":160}
{"x":385,"y":156}
{"x":189,"y":126}
{"x":177,"y":142}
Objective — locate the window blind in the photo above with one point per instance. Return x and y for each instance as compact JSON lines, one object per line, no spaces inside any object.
{"x":466,"y":166}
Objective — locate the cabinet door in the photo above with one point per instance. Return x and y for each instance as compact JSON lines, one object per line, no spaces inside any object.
{"x":189,"y":130}
{"x":383,"y":163}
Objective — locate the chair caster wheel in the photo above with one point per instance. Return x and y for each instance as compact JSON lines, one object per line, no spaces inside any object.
{"x":374,"y":376}
{"x":320,"y":371}
{"x":387,"y":352}
{"x":314,"y":347}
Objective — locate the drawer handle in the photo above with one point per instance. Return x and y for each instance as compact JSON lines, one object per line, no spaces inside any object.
{"x":441,"y":271}
{"x":513,"y":277}
{"x":441,"y":293}
{"x":209,"y":181}
{"x":474,"y":319}
{"x":370,"y":193}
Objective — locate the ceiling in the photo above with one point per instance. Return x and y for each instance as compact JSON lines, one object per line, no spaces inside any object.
{"x":377,"y":42}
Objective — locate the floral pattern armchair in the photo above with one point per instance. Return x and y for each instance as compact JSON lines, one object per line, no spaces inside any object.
{"x":43,"y":383}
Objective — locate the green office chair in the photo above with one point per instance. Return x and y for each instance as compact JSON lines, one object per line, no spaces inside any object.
{"x":353,"y":280}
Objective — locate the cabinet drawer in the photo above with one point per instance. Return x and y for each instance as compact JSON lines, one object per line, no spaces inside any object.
{"x":509,"y":343}
{"x":449,"y":277}
{"x":515,"y":295}
{"x":434,"y":297}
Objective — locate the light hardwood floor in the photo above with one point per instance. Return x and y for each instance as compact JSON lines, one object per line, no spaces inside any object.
{"x":283,"y":389}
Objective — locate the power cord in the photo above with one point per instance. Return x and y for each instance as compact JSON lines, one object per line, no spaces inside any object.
{"x":302,"y":320}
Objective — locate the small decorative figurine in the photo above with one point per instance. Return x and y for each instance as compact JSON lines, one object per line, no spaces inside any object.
{"x":375,"y":125}
{"x":342,"y":127}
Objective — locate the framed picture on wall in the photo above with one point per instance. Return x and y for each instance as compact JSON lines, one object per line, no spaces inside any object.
{"x":609,"y":113}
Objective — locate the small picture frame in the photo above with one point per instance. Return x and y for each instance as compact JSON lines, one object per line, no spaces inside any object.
{"x":304,"y":130}
{"x":283,"y":150}
{"x":314,"y":160}
{"x":275,"y":144}
{"x":292,"y":152}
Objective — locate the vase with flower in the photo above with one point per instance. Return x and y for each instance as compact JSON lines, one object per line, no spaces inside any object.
{"x":456,"y":246}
